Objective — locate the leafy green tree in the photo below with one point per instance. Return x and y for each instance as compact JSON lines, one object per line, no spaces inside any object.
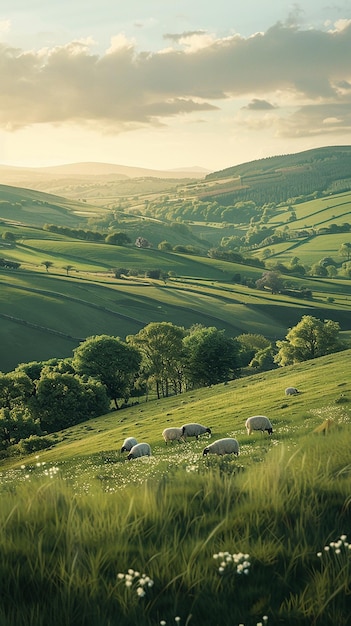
{"x":263,"y":359}
{"x":120,"y":271}
{"x":33,"y":369}
{"x":15,"y":389}
{"x":345,"y":250}
{"x":309,"y":339}
{"x":161,"y":346}
{"x":111,"y":361}
{"x":270,"y":280}
{"x":63,"y":400}
{"x":118,"y":239}
{"x":250,"y":344}
{"x":165,"y":245}
{"x":211,"y":357}
{"x":16,"y":424}
{"x":332,"y":271}
{"x":318,"y":270}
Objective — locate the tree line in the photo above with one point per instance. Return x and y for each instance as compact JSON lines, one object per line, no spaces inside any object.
{"x":39,"y":398}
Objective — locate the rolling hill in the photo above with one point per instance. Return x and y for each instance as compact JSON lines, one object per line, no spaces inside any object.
{"x":46,"y":312}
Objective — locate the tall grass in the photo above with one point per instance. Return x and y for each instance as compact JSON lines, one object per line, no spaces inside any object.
{"x":65,"y":554}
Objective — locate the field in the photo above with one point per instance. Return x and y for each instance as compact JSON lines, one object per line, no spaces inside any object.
{"x":91,"y":538}
{"x":46,"y":312}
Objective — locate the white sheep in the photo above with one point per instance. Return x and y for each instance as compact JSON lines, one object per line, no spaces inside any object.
{"x":194,"y":430}
{"x":172,"y":434}
{"x":223,"y":446}
{"x":291,"y":391}
{"x":140,"y":449}
{"x":258,"y":422}
{"x":128,"y":444}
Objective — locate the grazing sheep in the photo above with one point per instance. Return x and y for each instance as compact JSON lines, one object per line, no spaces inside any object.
{"x":291,"y":391}
{"x":172,"y":434}
{"x":128,"y":444}
{"x":258,"y":422}
{"x":194,"y":430}
{"x":140,"y":449}
{"x":222,"y":446}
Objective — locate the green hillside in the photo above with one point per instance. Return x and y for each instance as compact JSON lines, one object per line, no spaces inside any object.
{"x":79,"y":516}
{"x":282,"y":177}
{"x":46,"y":310}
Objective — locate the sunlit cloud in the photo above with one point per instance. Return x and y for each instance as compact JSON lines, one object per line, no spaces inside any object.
{"x":123,"y":89}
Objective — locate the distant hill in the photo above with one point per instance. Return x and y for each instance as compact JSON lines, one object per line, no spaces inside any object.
{"x":17,"y":175}
{"x":281,"y":178}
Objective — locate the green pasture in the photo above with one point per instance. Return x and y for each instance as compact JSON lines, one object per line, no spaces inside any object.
{"x":59,"y":309}
{"x":335,"y":209}
{"x":310,"y":250}
{"x":90,"y":303}
{"x":38,"y":208}
{"x":87,"y":256}
{"x":76,"y":519}
{"x":325,"y":392}
{"x":318,"y":213}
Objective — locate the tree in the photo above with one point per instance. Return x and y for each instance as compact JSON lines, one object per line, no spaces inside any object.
{"x":309,"y":339}
{"x":47,"y":264}
{"x":345,"y":250}
{"x":15,"y":389}
{"x":161,"y":346}
{"x":250,"y":344}
{"x":165,"y":245}
{"x":16,"y":424}
{"x":318,"y":270}
{"x":64,"y":400}
{"x":119,"y":272}
{"x":211,"y":357}
{"x":263,"y":359}
{"x":118,"y":239}
{"x":111,"y":361}
{"x":68,"y":268}
{"x":332,"y":271}
{"x":270,"y":280}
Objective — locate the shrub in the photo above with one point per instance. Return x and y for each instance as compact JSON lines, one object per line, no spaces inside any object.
{"x":34,"y":443}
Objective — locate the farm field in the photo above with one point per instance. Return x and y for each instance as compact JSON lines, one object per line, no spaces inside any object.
{"x":81,"y":518}
{"x":46,"y":314}
{"x":309,"y":249}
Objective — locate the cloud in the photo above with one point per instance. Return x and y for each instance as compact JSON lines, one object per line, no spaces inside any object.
{"x":259,"y":105}
{"x":123,"y":89}
{"x":313,"y":120}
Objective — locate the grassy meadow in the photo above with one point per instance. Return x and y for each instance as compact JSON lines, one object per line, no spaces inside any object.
{"x":90,"y":538}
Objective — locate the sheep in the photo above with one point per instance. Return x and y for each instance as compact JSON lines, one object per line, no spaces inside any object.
{"x":194,"y":430}
{"x":223,"y":446}
{"x":128,"y":444}
{"x":258,"y":422}
{"x":291,"y":391}
{"x":140,"y":449}
{"x":172,"y":434}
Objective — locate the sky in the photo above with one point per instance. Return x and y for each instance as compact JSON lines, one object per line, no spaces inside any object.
{"x":167,"y":84}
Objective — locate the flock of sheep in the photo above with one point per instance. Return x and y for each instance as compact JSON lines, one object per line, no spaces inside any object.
{"x":227,"y":445}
